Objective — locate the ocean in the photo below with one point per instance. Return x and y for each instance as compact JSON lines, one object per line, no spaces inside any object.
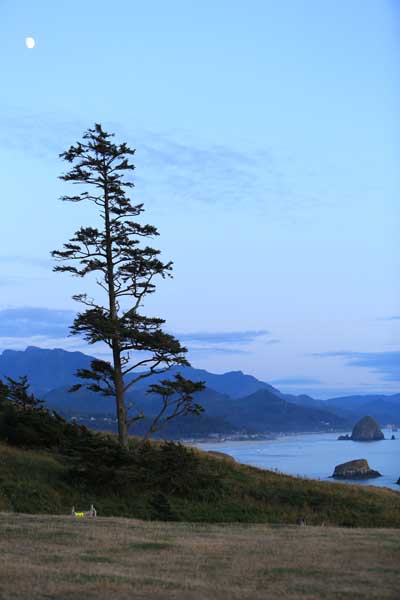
{"x":315,"y":455}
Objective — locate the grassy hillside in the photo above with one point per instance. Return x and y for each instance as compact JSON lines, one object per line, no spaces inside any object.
{"x":169,"y":482}
{"x":62,"y":557}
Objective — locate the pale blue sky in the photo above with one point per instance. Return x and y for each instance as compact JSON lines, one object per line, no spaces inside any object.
{"x":267,"y":137}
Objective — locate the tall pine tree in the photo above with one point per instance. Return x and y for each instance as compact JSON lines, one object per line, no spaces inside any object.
{"x":125,"y":268}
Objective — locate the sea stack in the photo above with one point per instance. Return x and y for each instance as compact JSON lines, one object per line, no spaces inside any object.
{"x":355,"y":469}
{"x":367,"y":430}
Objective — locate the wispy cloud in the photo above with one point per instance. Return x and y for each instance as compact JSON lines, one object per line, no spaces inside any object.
{"x":29,"y":322}
{"x":212,"y":350}
{"x":46,"y":327}
{"x":223,"y":337}
{"x":10,"y":280}
{"x":184,"y":168}
{"x":391,"y":318}
{"x":45,"y":263}
{"x":385,"y":363}
{"x":224,"y":342}
{"x":296,"y":381}
{"x":192,"y":170}
{"x":40,"y":136}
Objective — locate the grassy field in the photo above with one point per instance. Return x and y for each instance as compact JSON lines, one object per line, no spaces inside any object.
{"x":46,"y":556}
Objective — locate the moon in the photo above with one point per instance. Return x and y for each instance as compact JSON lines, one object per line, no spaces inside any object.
{"x":30,"y":42}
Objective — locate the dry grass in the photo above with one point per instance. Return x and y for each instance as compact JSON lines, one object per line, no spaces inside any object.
{"x":45,"y":557}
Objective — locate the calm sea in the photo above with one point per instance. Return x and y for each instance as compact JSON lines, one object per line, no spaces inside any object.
{"x":316,"y":455}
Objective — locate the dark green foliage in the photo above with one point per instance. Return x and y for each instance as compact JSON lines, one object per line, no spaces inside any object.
{"x":17,"y":392}
{"x":161,"y":508}
{"x":125,"y":268}
{"x":177,"y":400}
{"x":169,"y":469}
{"x":3,"y":393}
{"x":175,"y":470}
{"x":99,"y":461}
{"x":101,"y":374}
{"x":38,"y":428}
{"x":24,"y":421}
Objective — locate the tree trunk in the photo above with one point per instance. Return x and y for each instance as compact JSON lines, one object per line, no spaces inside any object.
{"x":118,"y":378}
{"x":120,"y":399}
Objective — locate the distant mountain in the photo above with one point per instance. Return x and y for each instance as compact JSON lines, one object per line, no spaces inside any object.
{"x":266,"y":412}
{"x":92,"y":408}
{"x":233,"y":401}
{"x":46,"y":369}
{"x":235,"y":384}
{"x":50,"y":369}
{"x":80,"y":402}
{"x":261,"y":412}
{"x":384,"y":409}
{"x":91,"y":403}
{"x":304,"y":400}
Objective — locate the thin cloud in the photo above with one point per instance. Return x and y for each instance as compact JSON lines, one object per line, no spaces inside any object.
{"x":224,"y":337}
{"x":186,"y":169}
{"x":40,"y":136}
{"x":211,"y":174}
{"x":296,"y":381}
{"x":391,"y":318}
{"x":27,"y":260}
{"x":10,"y":281}
{"x":387,"y":364}
{"x":212,"y":350}
{"x":30,"y":322}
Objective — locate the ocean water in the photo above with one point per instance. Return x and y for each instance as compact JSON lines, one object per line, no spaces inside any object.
{"x":315,"y":455}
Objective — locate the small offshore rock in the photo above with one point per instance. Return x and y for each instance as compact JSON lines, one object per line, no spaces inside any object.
{"x":355,"y":469}
{"x":344,"y":437}
{"x":393,"y":437}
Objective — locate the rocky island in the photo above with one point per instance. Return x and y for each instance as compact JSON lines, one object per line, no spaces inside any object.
{"x":365,"y":430}
{"x":355,"y":469}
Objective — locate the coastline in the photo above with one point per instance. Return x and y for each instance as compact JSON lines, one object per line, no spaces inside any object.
{"x":255,"y":438}
{"x":312,"y":455}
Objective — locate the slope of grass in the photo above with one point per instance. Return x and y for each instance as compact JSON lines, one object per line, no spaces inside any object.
{"x":62,"y":557}
{"x":174,"y":483}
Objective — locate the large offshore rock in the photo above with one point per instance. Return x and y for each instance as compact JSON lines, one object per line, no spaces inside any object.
{"x":355,"y":469}
{"x":367,"y":430}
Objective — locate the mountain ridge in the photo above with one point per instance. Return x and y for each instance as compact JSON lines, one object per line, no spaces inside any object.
{"x":232,"y":400}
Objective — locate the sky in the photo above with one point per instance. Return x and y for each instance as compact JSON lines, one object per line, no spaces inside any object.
{"x":267,"y":154}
